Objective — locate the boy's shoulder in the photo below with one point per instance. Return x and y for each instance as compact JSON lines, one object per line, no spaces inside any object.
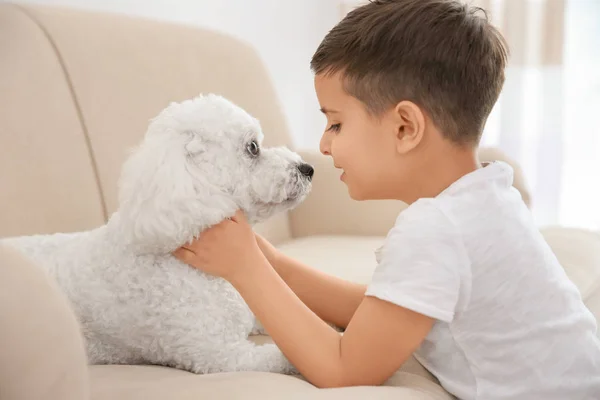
{"x":477,"y":198}
{"x":424,"y":221}
{"x":494,"y":176}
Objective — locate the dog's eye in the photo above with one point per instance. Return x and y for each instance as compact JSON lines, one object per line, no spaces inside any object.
{"x":253,"y":148}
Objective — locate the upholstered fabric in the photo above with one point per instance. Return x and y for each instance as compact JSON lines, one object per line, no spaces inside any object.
{"x":351,"y":257}
{"x":578,"y":251}
{"x":47,"y":181}
{"x":158,"y":383}
{"x":41,"y":349}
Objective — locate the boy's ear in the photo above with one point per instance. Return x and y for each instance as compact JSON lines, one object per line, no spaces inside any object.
{"x":410,"y":126}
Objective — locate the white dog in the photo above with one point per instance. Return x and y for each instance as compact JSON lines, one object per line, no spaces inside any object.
{"x":199,"y":162}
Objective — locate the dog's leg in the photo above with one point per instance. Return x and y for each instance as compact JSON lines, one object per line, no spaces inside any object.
{"x":241,"y":356}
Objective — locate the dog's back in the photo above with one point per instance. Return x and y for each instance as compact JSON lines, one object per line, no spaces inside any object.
{"x":53,"y":253}
{"x":138,"y":308}
{"x":67,"y":258}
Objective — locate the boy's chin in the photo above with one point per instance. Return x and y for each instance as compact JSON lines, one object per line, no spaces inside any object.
{"x":357,"y":195}
{"x":363,"y":194}
{"x":364,"y":190}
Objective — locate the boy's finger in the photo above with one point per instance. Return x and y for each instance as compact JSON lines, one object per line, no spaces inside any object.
{"x":184,"y":254}
{"x":191,"y":245}
{"x":239,"y":216}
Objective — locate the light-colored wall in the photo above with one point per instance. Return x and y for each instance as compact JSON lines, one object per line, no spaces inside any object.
{"x":284,"y":32}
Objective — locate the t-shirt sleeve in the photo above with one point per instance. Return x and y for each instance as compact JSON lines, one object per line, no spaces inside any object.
{"x":421,"y":264}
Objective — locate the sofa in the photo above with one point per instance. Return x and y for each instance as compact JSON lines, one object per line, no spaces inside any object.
{"x":77,"y":89}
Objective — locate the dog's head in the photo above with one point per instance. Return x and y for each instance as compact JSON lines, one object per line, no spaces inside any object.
{"x":200,"y":161}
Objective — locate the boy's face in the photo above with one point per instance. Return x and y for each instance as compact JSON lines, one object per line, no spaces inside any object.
{"x":362,"y":146}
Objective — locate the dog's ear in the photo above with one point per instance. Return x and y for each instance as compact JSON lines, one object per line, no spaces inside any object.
{"x":155,"y":194}
{"x":161,"y":204}
{"x":195,"y":147}
{"x":195,"y":144}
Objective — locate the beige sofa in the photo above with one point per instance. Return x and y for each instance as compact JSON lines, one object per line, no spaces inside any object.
{"x":76,"y":92}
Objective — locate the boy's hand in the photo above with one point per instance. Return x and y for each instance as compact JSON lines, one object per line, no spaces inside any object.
{"x":226,"y":250}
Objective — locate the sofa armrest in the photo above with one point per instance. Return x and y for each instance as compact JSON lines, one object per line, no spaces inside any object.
{"x":329,"y":210}
{"x":578,"y":251}
{"x":42,"y":353}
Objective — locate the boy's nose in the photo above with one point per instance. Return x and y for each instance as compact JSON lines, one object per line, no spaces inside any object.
{"x":325,"y":145}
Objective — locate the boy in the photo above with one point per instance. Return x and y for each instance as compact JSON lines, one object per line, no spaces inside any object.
{"x":464,"y":280}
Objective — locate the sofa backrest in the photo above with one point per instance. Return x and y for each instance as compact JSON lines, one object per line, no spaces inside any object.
{"x":77,"y":90}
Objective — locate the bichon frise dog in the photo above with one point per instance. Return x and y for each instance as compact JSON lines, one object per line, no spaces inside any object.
{"x":199,"y":162}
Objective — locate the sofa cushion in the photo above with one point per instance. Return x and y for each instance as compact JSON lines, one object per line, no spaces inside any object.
{"x":348,"y":257}
{"x":158,"y":383}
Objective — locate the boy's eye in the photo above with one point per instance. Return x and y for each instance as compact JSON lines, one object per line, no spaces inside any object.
{"x":335,"y":127}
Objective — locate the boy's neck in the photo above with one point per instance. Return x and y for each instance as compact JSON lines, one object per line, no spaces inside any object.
{"x":443,"y":163}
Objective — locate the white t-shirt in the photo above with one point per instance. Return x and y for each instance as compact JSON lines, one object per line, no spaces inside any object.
{"x":509,"y":322}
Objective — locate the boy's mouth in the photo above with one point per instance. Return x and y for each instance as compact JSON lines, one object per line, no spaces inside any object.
{"x":343,"y":172}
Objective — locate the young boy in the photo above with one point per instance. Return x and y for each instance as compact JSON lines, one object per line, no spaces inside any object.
{"x":464,"y":280}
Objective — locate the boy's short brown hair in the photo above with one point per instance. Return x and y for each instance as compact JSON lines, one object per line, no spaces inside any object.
{"x":439,"y":54}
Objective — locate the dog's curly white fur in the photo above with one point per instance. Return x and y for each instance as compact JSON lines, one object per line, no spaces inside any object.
{"x":199,"y":162}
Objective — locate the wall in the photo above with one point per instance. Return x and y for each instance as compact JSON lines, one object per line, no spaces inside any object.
{"x":284,"y":32}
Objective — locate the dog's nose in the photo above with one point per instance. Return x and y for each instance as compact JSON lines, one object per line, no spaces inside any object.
{"x":306,"y":170}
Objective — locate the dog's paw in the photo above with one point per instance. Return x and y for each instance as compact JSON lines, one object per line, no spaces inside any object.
{"x":258,"y":329}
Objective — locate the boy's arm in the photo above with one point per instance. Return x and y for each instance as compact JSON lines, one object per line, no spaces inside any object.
{"x":378,"y":340}
{"x":333,"y":299}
